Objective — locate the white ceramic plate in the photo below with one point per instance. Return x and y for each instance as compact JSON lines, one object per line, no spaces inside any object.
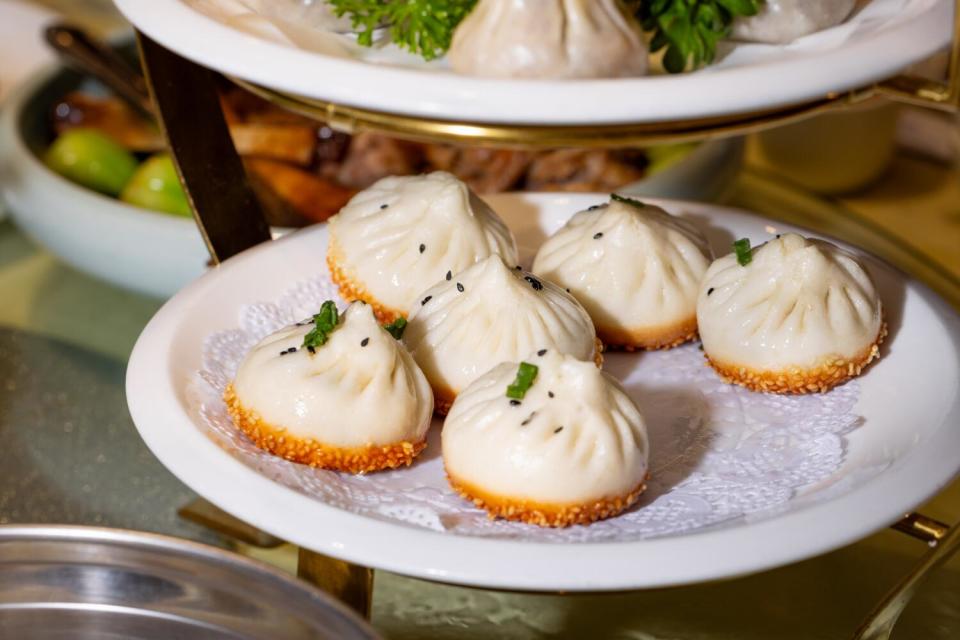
{"x":883,"y":37}
{"x":838,"y":467}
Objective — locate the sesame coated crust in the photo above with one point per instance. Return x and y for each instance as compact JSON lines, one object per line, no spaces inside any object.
{"x":819,"y":379}
{"x":443,"y":397}
{"x":355,"y":291}
{"x":316,"y":454}
{"x":543,"y":514}
{"x":649,"y":338}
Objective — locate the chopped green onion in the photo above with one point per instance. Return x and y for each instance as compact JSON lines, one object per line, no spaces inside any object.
{"x":625,"y":200}
{"x":424,"y":27}
{"x":396,"y":327}
{"x":742,"y":249}
{"x":92,"y":159}
{"x":156,"y":186}
{"x":323,"y":325}
{"x":526,"y":374}
{"x":688,"y":30}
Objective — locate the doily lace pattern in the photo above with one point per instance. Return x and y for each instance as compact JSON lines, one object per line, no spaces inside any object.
{"x":719,"y":453}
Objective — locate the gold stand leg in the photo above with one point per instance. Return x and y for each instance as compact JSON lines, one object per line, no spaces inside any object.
{"x":944,"y":540}
{"x":348,"y":583}
{"x":208,"y":515}
{"x":188,"y":108}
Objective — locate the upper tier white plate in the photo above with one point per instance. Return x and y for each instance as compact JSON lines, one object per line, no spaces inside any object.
{"x":740,"y":481}
{"x":881,"y":38}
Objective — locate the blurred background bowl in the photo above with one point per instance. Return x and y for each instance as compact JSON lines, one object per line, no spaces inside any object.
{"x":140,"y":250}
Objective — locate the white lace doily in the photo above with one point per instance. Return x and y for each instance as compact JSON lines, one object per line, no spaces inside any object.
{"x":719,"y":453}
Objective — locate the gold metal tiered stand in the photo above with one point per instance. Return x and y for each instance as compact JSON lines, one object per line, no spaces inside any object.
{"x":231,"y":221}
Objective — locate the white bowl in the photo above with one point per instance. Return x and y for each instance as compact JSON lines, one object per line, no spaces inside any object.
{"x":149,"y":252}
{"x":157,"y":254}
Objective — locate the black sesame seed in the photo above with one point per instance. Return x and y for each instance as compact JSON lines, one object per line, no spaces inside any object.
{"x":529,"y":418}
{"x":550,"y":393}
{"x":311,"y":350}
{"x":778,"y":235}
{"x":449,"y":274}
{"x":384,"y":206}
{"x":710,"y":290}
{"x":593,"y":207}
{"x":567,"y":290}
{"x":284,"y":352}
{"x":514,"y":403}
{"x":426,"y":300}
{"x":558,"y":430}
{"x":518,"y":268}
{"x":598,"y":235}
{"x":542,"y":352}
{"x":423,"y":248}
{"x":459,"y":287}
{"x":365,"y":342}
{"x":536,"y":284}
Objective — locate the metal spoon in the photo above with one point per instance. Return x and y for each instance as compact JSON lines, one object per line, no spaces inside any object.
{"x":80,"y":50}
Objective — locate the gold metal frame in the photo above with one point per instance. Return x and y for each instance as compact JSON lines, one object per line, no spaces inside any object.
{"x":200,"y":142}
{"x":905,"y":88}
{"x":944,"y":542}
{"x":354,"y":119}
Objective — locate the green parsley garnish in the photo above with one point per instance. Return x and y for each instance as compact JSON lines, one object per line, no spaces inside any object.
{"x":424,"y":27}
{"x":690,"y":29}
{"x":324,"y":324}
{"x":396,"y":327}
{"x":526,"y":374}
{"x":742,"y":249}
{"x":625,"y":200}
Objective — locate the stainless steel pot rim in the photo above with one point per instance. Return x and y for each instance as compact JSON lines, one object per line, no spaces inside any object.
{"x":13,"y":533}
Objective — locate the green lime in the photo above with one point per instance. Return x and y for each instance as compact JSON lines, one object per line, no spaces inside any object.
{"x":156,"y":186}
{"x":92,"y":159}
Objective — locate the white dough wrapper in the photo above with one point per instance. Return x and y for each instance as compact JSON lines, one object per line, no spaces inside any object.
{"x":403,"y":234}
{"x":634,"y":267}
{"x":798,"y":310}
{"x":574,"y":447}
{"x":488,"y":314}
{"x":337,"y":395}
{"x":783,"y":21}
{"x":549,"y":39}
